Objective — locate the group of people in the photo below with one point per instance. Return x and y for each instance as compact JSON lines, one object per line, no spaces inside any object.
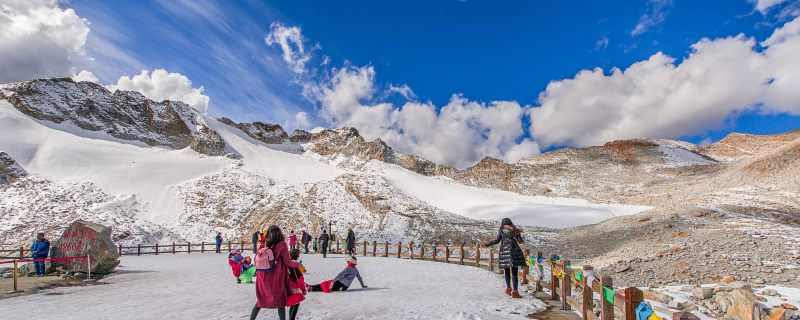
{"x":278,"y":271}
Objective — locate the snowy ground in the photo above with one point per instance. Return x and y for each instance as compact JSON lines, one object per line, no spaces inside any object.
{"x":201,"y":287}
{"x":489,"y":204}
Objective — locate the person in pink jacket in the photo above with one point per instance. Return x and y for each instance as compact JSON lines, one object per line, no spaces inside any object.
{"x":292,"y":240}
{"x":272,"y":273}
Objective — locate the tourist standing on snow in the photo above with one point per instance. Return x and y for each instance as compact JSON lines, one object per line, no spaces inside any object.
{"x":351,"y":242}
{"x":272,"y":276}
{"x":256,"y":237}
{"x":305,"y":239}
{"x":343,"y":280}
{"x":511,"y":255}
{"x":39,"y":250}
{"x":297,"y":284}
{"x":323,"y":242}
{"x":292,"y":240}
{"x":218,"y":241}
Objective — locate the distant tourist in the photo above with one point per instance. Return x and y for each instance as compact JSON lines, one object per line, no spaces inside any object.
{"x":343,"y":280}
{"x":511,"y":255}
{"x":323,"y":242}
{"x":272,"y":276}
{"x":297,"y":285}
{"x":256,"y":237}
{"x":39,"y":250}
{"x":351,"y":242}
{"x":292,"y":240}
{"x":305,"y":238}
{"x":218,"y":241}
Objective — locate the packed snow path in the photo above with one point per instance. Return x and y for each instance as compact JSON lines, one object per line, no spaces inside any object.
{"x":200,"y":286}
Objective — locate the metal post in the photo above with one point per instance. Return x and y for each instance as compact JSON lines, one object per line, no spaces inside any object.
{"x":88,"y":267}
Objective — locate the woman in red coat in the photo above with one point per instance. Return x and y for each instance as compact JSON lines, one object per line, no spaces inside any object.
{"x":272,"y":281}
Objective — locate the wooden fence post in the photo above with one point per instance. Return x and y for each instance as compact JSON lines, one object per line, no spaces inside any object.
{"x":138,"y":249}
{"x":189,"y":247}
{"x":365,"y":248}
{"x":433,"y":248}
{"x":120,"y":249}
{"x":173,"y":248}
{"x":566,"y":286}
{"x":21,"y":255}
{"x":607,"y":309}
{"x":241,"y":246}
{"x":156,"y":248}
{"x":447,"y":253}
{"x":553,"y":279}
{"x":374,"y":248}
{"x":526,"y":267}
{"x":461,"y":258}
{"x":399,"y":249}
{"x":386,"y":249}
{"x":229,"y":246}
{"x":491,"y":259}
{"x":202,"y":247}
{"x":587,"y":298}
{"x":537,"y":284}
{"x":478,"y":255}
{"x":633,"y":297}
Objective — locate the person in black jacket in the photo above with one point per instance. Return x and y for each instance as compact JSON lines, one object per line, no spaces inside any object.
{"x":323,"y":241}
{"x":351,"y":242}
{"x":256,"y":236}
{"x":511,"y":256}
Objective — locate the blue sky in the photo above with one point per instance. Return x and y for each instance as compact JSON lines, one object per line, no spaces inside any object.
{"x":483,"y":51}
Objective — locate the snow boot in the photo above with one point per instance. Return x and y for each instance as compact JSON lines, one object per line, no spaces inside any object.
{"x":238,"y":280}
{"x":508,"y":291}
{"x":515,"y":294}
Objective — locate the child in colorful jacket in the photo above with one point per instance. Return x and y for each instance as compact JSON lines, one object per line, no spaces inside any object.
{"x":235,"y":260}
{"x":342,"y":280}
{"x":248,"y":270}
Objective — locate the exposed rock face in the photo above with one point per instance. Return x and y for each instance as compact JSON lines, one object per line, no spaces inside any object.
{"x":300,"y":136}
{"x":125,"y":115}
{"x":264,"y":132}
{"x":85,"y":238}
{"x":9,"y":169}
{"x":737,"y":146}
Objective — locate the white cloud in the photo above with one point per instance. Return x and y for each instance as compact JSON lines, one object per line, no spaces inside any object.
{"x":160,"y":85}
{"x":659,"y":98}
{"x":601,"y":44}
{"x":403,"y":90}
{"x":460,"y":133}
{"x":655,"y":15}
{"x":764,"y":6}
{"x":291,"y":41}
{"x":38,"y":39}
{"x":301,"y":120}
{"x":85,"y":75}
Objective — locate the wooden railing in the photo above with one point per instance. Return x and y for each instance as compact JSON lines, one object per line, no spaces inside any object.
{"x":576,"y":288}
{"x":15,"y":253}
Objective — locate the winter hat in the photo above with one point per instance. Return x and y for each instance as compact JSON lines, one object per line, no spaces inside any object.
{"x":237,"y":251}
{"x":352,"y":260}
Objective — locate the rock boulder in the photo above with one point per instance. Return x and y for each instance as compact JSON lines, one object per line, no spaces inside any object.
{"x":83,"y":238}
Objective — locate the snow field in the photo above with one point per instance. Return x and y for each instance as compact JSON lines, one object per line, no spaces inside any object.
{"x":201,"y":286}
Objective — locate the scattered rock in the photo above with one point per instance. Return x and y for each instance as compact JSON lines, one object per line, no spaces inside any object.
{"x":740,"y":285}
{"x":728,"y":279}
{"x":676,"y":305}
{"x":621,"y":268}
{"x":770,"y":292}
{"x":703,"y":293}
{"x":657,"y":296}
{"x":737,"y":303}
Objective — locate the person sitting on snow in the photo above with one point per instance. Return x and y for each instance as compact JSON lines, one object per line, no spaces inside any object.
{"x":343,"y":280}
{"x":248,"y":270}
{"x":235,"y":260}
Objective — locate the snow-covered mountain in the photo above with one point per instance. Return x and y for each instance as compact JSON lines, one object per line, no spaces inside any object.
{"x":161,"y":170}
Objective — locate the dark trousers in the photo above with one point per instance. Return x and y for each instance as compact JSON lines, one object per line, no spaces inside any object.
{"x":305,"y":245}
{"x":281,"y":313}
{"x":293,"y":311}
{"x":324,"y":252}
{"x":219,"y":245}
{"x":511,"y":275}
{"x":255,"y":246}
{"x":337,"y":286}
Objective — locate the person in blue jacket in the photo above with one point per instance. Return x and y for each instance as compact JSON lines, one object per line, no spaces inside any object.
{"x":39,"y":250}
{"x":218,"y":241}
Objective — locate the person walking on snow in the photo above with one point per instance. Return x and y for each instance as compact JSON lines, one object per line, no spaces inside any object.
{"x":256,"y":237}
{"x":511,"y":256}
{"x":297,"y":284}
{"x":218,"y":241}
{"x":272,"y":276}
{"x":39,"y":250}
{"x":323,"y":242}
{"x":305,"y":238}
{"x":343,"y":280}
{"x":351,"y":242}
{"x":292,"y":240}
